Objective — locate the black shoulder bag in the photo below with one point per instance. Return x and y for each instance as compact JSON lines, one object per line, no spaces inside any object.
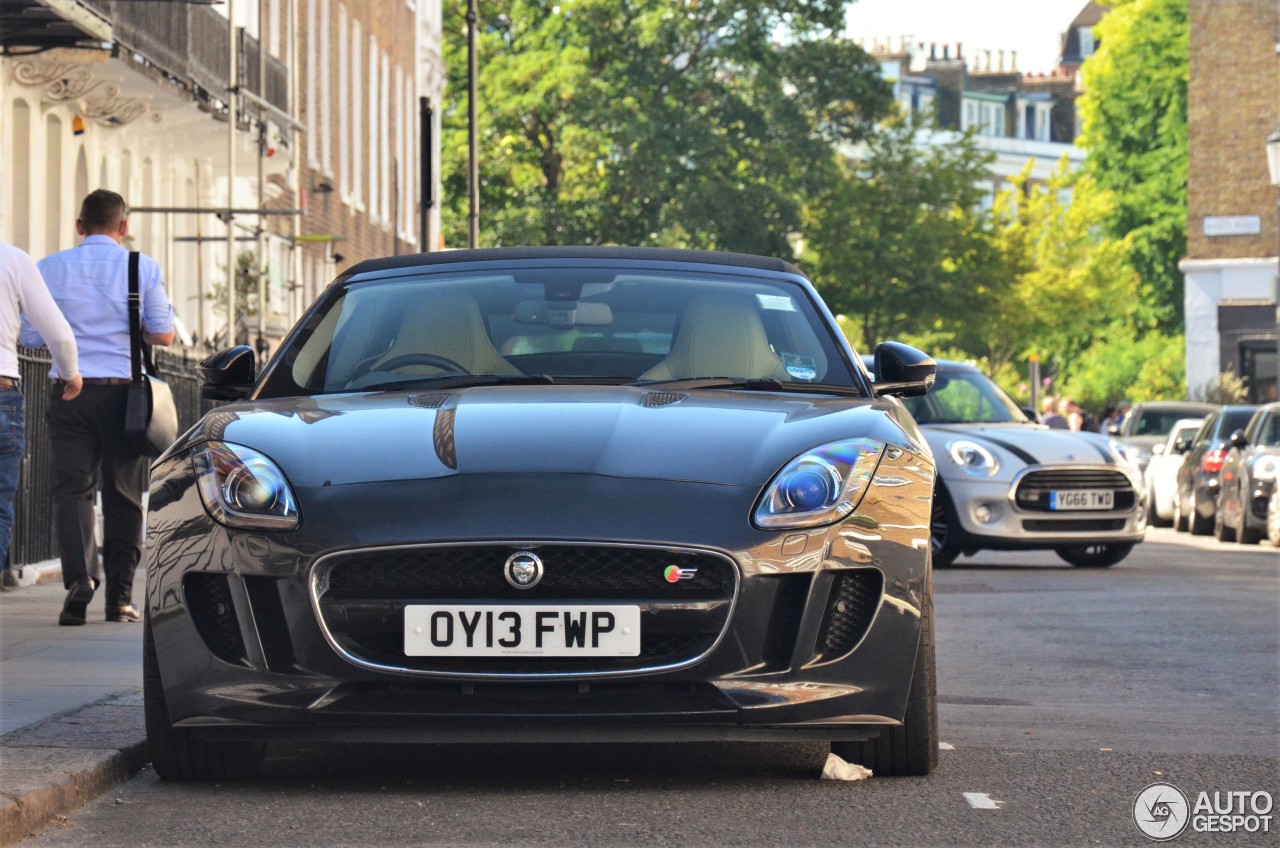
{"x":151,"y":418}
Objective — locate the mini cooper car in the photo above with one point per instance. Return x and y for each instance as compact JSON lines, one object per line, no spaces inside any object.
{"x":1248,"y":481}
{"x":1005,"y":482}
{"x":547,"y":494}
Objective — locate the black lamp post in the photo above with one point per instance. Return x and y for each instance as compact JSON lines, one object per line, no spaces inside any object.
{"x":473,"y":161}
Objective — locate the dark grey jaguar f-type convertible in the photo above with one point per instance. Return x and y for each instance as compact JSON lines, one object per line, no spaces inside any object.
{"x":562,"y":494}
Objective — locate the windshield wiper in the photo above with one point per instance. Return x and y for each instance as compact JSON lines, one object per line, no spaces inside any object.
{"x":765,"y":384}
{"x":459,"y":381}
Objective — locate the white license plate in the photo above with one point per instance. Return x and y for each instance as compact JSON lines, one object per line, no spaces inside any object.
{"x":462,"y":630}
{"x":1082,"y":499}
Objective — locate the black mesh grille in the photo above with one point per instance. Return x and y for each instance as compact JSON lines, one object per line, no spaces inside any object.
{"x":851,"y":605}
{"x":656,"y":399}
{"x":209,"y":602}
{"x":364,"y":593}
{"x":1073,"y":525}
{"x":570,"y":571}
{"x":1033,"y":489}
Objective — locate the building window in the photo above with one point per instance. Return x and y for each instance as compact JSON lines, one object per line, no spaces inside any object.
{"x":358,"y":120}
{"x":313,"y":124}
{"x":1086,"y":41}
{"x":325,"y":131}
{"x":385,"y":138}
{"x":344,"y":110}
{"x":376,"y":183}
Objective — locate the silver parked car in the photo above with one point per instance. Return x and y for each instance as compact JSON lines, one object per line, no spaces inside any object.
{"x":1006,"y":482}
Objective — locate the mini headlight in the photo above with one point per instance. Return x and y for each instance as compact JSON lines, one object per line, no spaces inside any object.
{"x":820,"y":486}
{"x":1266,"y":468}
{"x":973,"y":458}
{"x":242,"y":488}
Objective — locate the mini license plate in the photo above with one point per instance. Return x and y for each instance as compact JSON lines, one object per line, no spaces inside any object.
{"x":1082,"y":499}
{"x":462,"y":630}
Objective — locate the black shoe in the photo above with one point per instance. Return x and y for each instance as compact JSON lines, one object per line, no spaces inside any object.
{"x":8,"y":580}
{"x":126,"y":613}
{"x":78,"y":597}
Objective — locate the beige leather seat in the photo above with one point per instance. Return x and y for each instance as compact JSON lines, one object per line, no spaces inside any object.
{"x":447,"y":324}
{"x":720,"y":335}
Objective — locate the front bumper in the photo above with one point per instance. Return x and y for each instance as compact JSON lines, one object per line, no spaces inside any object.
{"x":246,"y":648}
{"x":999,"y":514}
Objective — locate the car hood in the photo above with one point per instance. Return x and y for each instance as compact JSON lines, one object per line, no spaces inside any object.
{"x":724,"y":437}
{"x":1030,"y":444}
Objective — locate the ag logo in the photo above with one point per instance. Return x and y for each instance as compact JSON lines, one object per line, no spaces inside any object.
{"x":1161,"y":811}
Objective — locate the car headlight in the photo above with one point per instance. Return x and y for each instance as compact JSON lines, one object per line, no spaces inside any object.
{"x":242,"y":488}
{"x":973,"y":458}
{"x":1266,"y":468}
{"x":820,"y":486}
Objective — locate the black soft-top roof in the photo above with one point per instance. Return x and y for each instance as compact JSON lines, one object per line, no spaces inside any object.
{"x":647,"y":254}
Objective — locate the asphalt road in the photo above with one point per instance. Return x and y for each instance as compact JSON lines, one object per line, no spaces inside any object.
{"x":1064,"y":692}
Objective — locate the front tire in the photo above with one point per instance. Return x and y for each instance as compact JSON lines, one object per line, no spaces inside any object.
{"x":1153,"y":516}
{"x":1221,"y":531}
{"x":1198,"y":524}
{"x":1094,"y":556}
{"x":1179,"y":520}
{"x":1245,"y":534}
{"x":177,"y":754}
{"x":911,"y":749}
{"x":945,"y":535}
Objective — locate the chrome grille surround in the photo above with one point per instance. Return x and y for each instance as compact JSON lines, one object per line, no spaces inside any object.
{"x":723,"y":606}
{"x":1029,"y":492}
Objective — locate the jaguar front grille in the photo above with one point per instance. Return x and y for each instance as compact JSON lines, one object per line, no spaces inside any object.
{"x":361,"y":598}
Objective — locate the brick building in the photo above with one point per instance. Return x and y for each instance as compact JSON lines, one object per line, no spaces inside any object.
{"x":1230,"y":272}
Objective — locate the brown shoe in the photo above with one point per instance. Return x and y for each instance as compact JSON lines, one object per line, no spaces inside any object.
{"x":78,"y":598}
{"x":126,"y":613}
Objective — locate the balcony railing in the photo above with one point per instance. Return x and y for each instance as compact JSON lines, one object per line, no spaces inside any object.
{"x":190,"y":43}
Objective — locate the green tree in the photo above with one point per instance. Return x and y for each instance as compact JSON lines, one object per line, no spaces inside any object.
{"x":1134,"y":112}
{"x":897,"y":243}
{"x":1124,"y":364}
{"x":655,"y":121}
{"x":1068,"y":282}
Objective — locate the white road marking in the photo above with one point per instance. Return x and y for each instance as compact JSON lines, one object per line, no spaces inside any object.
{"x":982,"y":801}
{"x":946,"y":746}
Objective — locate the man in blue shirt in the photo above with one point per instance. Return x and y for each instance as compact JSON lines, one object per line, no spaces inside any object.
{"x":90,"y":284}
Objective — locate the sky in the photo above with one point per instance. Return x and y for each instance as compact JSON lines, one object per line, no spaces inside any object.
{"x":1032,"y":27}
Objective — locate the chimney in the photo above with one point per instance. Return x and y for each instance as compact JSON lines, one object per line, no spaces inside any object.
{"x":933,"y":50}
{"x":1001,"y":53}
{"x":1013,"y":60}
{"x":946,"y":52}
{"x":959,"y":54}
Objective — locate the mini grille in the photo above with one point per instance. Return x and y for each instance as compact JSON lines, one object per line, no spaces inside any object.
{"x":1034,"y":489}
{"x":851,"y":605}
{"x":653,"y":400}
{"x":435,"y":400}
{"x":1073,"y":525}
{"x":209,"y":602}
{"x":571,"y":571}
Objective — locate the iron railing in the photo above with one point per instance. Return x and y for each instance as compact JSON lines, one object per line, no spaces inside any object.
{"x":33,"y":532}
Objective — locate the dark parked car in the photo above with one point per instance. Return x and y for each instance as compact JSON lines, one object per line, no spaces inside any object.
{"x":1149,"y":423}
{"x":1196,"y":500}
{"x":1249,"y":480}
{"x":547,"y":494}
{"x":1007,"y":483}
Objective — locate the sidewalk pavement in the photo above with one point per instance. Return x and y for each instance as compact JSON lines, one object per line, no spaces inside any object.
{"x":71,"y":722}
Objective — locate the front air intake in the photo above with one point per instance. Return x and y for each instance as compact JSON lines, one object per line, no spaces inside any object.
{"x":851,"y":605}
{"x":213,"y":611}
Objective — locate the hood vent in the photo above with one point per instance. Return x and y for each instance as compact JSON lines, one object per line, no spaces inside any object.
{"x":435,"y":400}
{"x":652,"y":400}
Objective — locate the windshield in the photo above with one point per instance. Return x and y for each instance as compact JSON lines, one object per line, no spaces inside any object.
{"x":573,"y":324}
{"x":965,"y":397}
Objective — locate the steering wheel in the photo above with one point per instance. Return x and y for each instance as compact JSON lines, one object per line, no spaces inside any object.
{"x":444,"y":363}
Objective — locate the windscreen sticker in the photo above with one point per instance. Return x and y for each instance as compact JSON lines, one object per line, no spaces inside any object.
{"x":799,"y":367}
{"x":777,"y":302}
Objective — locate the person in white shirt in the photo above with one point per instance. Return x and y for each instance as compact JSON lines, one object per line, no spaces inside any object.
{"x":91,"y":285}
{"x":23,"y":293}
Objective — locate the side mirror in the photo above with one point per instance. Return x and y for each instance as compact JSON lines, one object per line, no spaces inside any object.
{"x":1181,"y":446}
{"x":1113,"y":429}
{"x":1239,"y":440}
{"x":902,"y":370}
{"x":1157,"y":450}
{"x":229,"y":374}
{"x":1030,"y":413}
